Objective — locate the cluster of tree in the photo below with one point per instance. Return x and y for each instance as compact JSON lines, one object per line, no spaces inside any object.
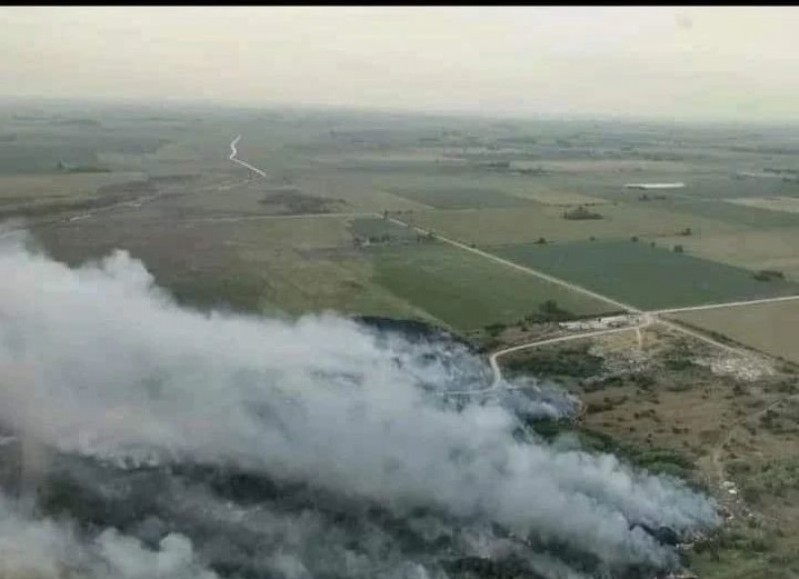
{"x":294,"y":201}
{"x":495,"y":164}
{"x":533,"y":171}
{"x":574,"y":362}
{"x":580,"y":213}
{"x":548,"y":311}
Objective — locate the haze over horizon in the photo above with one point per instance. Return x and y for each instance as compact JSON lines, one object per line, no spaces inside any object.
{"x":683,"y":64}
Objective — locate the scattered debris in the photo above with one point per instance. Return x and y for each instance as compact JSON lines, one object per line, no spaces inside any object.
{"x":602,"y":323}
{"x":745,"y":368}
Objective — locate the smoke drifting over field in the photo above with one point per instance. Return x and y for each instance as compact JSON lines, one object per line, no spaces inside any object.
{"x":254,"y":447}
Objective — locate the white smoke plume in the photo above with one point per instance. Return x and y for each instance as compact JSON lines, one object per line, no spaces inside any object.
{"x":45,"y":549}
{"x":98,"y":361}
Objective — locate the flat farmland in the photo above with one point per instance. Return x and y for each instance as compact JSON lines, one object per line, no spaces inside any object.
{"x":277,"y":265}
{"x":361,"y":192}
{"x":27,"y":188}
{"x":527,"y":224}
{"x":296,"y":283}
{"x":644,"y":276}
{"x":467,"y":291}
{"x":744,"y":216}
{"x":772,"y":328}
{"x":776,"y":248}
{"x":786,"y":204}
{"x":461,"y":197}
{"x":560,"y":197}
{"x":620,"y":166}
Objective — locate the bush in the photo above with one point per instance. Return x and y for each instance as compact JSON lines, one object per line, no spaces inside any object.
{"x":768,"y":275}
{"x":574,"y":362}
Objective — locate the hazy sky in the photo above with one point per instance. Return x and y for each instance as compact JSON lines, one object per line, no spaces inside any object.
{"x":686,"y":63}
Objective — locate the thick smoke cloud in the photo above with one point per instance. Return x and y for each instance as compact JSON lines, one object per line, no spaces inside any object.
{"x":45,"y":548}
{"x":97,"y":361}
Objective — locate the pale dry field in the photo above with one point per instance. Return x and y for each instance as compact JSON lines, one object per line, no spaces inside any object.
{"x":772,"y":328}
{"x":776,"y":248}
{"x":786,"y":204}
{"x":33,"y":187}
{"x":549,"y":196}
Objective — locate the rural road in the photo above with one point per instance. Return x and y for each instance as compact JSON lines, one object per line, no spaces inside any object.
{"x":727,"y":305}
{"x":234,"y":157}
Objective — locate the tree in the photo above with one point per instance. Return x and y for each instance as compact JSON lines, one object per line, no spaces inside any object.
{"x":541,"y":241}
{"x":634,"y":238}
{"x":679,"y":249}
{"x":579,"y":213}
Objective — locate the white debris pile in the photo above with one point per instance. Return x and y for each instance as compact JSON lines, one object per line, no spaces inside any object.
{"x":602,"y":323}
{"x":730,"y":487}
{"x":621,"y":360}
{"x":746,"y":368}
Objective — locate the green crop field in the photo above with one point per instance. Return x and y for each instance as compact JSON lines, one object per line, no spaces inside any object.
{"x":468,"y":291}
{"x":644,"y":276}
